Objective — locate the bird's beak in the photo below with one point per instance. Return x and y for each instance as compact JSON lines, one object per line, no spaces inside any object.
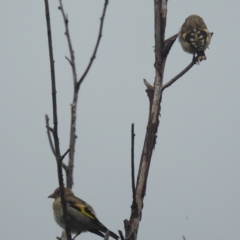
{"x":51,"y":196}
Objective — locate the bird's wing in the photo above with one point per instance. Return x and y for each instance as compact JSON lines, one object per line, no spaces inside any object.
{"x":85,"y":210}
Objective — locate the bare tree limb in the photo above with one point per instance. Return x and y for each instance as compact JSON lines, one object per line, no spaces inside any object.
{"x":49,"y":135}
{"x":132,"y":160}
{"x":107,"y":234}
{"x":168,"y":44}
{"x":69,"y":172}
{"x":69,"y":61}
{"x":67,"y":33}
{"x":63,"y":156}
{"x":65,"y":167}
{"x":134,"y":204}
{"x":76,"y":87}
{"x":148,"y":85}
{"x":50,"y":129}
{"x":96,"y":46}
{"x":55,"y":122}
{"x":160,"y":10}
{"x":121,"y":235}
{"x":173,"y":80}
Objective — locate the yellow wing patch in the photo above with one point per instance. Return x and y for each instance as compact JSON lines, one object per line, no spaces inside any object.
{"x":184,"y":37}
{"x":84,"y":210}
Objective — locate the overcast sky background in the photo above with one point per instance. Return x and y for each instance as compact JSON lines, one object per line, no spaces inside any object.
{"x":193,"y":186}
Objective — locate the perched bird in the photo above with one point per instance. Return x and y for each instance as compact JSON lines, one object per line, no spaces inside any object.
{"x":82,"y":216}
{"x":194,"y":36}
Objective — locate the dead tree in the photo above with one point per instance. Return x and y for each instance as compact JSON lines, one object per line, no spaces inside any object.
{"x":154,"y":92}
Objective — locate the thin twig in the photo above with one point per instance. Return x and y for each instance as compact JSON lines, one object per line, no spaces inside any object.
{"x":65,"y":167}
{"x":184,"y":238}
{"x":76,"y":87}
{"x":63,"y":156}
{"x":49,"y":135}
{"x":173,"y":80}
{"x":132,"y":163}
{"x":174,"y":37}
{"x":55,"y":122}
{"x":107,"y":234}
{"x":69,"y":172}
{"x":134,"y":205}
{"x":96,"y":46}
{"x":67,"y":33}
{"x":148,"y":85}
{"x":121,"y":235}
{"x":168,"y":44}
{"x":50,"y":129}
{"x":69,"y":61}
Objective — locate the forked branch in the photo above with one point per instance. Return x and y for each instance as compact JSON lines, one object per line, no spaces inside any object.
{"x":77,"y":85}
{"x":96,"y":46}
{"x":173,"y":80}
{"x":155,"y":95}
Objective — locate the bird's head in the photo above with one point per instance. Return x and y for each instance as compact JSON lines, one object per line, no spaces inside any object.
{"x":57,"y":193}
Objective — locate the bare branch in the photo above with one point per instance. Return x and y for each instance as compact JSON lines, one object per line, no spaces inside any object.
{"x":121,"y":235}
{"x":55,"y":122}
{"x":63,"y":156}
{"x":107,"y":234}
{"x":132,"y":160}
{"x":67,"y":33}
{"x":148,"y":85}
{"x":69,"y":172}
{"x":96,"y":46}
{"x":184,"y":238}
{"x":132,"y":165}
{"x":76,"y":87}
{"x":155,"y":97}
{"x":168,"y":44}
{"x":65,"y":167}
{"x":49,"y":135}
{"x":50,"y":129}
{"x":173,"y":80}
{"x":69,"y":61}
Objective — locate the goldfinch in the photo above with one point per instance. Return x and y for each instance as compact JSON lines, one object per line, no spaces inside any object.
{"x":82,"y":216}
{"x":194,"y":36}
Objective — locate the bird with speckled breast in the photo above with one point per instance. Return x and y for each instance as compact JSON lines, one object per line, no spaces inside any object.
{"x":195,"y":37}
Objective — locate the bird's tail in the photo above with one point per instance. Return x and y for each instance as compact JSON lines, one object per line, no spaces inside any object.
{"x":113,"y":235}
{"x":201,"y":56}
{"x":99,"y":233}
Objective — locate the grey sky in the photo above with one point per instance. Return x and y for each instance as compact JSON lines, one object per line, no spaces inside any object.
{"x":193,"y":186}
